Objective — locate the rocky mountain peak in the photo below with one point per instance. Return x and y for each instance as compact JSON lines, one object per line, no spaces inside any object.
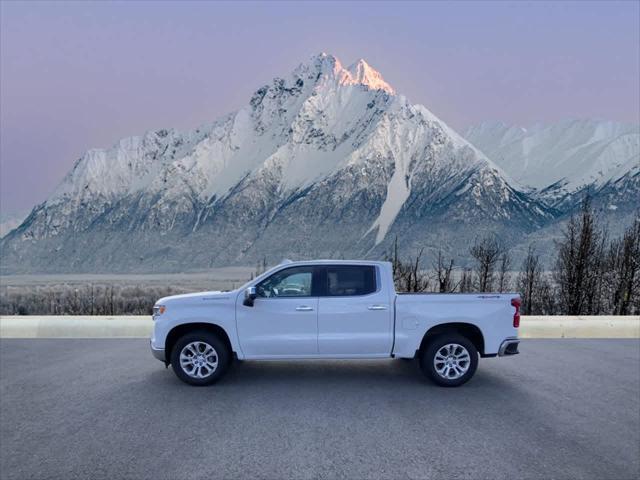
{"x":364,"y":74}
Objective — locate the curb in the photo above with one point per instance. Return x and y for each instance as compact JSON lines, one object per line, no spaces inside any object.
{"x":142,"y":326}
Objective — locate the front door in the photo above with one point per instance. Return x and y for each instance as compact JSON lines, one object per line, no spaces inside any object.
{"x":284,"y":318}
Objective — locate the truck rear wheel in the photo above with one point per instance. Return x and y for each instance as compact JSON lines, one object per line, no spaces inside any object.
{"x":200,"y":358}
{"x":449,"y":360}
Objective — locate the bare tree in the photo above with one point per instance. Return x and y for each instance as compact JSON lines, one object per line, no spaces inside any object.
{"x":578,"y":265}
{"x":530,"y":281}
{"x":545,"y":300}
{"x":486,"y":252}
{"x":408,"y":275}
{"x":261,"y":267}
{"x":623,"y":270}
{"x":504,"y":280}
{"x":394,"y":258}
{"x":110,"y":300}
{"x":444,"y":274}
{"x":411,"y":276}
{"x":92,"y":298}
{"x":466,"y":281}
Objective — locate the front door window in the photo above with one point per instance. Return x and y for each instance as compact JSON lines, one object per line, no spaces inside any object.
{"x":292,"y":282}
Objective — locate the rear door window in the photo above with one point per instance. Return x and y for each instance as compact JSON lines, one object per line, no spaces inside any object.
{"x":350,"y":280}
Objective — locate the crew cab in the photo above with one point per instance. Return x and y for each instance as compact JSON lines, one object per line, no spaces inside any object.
{"x":332,"y":309}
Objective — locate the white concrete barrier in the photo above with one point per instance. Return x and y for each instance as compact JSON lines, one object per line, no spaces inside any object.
{"x":141,"y":326}
{"x":580,"y":327}
{"x":75,"y":326}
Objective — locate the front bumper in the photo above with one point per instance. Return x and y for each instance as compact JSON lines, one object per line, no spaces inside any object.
{"x":509,"y":347}
{"x":157,"y":352}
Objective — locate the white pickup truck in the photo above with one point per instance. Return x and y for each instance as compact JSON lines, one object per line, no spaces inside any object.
{"x":332,"y":309}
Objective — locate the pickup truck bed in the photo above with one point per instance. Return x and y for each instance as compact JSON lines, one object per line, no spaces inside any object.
{"x":421,"y":312}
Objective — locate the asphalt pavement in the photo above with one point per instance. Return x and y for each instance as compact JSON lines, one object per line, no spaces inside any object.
{"x":106,"y":409}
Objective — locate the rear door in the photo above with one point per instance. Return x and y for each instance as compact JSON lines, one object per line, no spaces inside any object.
{"x":355,"y":315}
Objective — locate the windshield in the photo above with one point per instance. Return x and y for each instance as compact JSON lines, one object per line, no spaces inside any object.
{"x":262,"y":276}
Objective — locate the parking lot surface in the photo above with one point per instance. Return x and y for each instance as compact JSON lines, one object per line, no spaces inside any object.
{"x":106,"y":409}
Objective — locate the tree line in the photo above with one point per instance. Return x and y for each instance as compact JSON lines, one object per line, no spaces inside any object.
{"x":590,"y":275}
{"x":65,"y":299}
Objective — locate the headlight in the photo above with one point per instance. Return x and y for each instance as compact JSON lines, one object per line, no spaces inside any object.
{"x":158,"y":310}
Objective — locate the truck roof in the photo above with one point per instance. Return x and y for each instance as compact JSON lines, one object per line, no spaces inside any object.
{"x":333,"y":262}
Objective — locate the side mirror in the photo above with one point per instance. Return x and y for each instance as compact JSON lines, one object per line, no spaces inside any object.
{"x":250,"y":295}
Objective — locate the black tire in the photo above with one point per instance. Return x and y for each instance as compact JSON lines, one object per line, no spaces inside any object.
{"x":223,"y":357}
{"x":438,"y":343}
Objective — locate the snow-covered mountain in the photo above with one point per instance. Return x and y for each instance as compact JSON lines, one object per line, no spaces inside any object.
{"x":563,"y":161}
{"x":9,"y":221}
{"x":326,"y":162}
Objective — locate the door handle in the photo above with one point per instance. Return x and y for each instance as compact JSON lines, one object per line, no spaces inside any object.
{"x":304,"y":308}
{"x":377,"y":307}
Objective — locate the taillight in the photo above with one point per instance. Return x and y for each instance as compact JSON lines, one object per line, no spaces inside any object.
{"x":516,"y":316}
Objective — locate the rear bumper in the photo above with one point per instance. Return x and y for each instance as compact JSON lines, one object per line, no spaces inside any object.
{"x":157,"y":352}
{"x":509,"y":347}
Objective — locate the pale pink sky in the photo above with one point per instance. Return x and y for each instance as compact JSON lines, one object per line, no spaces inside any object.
{"x":84,"y":74}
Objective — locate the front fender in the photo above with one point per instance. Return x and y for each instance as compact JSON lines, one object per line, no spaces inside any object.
{"x":219,"y":314}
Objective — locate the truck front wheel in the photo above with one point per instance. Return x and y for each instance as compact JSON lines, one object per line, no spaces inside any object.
{"x":449,"y":360}
{"x":199,"y":358}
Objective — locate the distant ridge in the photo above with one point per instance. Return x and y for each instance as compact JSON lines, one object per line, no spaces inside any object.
{"x":563,"y":161}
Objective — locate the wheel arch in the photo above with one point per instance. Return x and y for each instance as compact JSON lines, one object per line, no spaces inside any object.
{"x":467,"y":330}
{"x":179,"y":330}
